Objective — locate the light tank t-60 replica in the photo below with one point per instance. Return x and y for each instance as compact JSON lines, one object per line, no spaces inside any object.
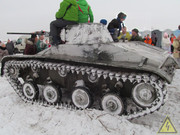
{"x":90,"y":71}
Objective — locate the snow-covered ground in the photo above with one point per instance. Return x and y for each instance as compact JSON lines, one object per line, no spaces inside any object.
{"x":19,"y":118}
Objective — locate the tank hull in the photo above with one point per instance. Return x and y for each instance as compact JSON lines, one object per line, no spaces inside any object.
{"x":125,"y":56}
{"x":90,"y":71}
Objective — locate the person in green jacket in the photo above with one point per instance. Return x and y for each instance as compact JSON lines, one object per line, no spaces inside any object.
{"x":40,"y":44}
{"x":66,"y":15}
{"x":85,"y":12}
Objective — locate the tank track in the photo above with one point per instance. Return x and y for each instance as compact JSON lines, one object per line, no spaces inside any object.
{"x":155,"y":81}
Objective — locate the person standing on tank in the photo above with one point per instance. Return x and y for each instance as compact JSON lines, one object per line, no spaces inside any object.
{"x":66,"y":15}
{"x":10,"y":47}
{"x":116,"y":24}
{"x":84,"y":13}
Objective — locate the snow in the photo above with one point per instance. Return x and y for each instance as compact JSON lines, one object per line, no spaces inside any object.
{"x":88,"y":33}
{"x":19,"y":118}
{"x":147,"y":51}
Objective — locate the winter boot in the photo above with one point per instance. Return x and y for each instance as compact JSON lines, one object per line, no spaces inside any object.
{"x":115,"y":36}
{"x":56,"y":40}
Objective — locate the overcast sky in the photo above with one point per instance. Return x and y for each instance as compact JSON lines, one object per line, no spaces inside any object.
{"x":34,"y":15}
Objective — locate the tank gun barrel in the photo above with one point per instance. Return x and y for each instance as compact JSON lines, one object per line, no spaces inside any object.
{"x":24,"y":33}
{"x":19,"y":33}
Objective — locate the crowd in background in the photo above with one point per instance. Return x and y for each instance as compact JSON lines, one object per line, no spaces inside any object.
{"x":33,"y":46}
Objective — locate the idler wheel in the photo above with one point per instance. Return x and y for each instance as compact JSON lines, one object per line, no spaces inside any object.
{"x":143,"y":94}
{"x":112,"y":104}
{"x":81,"y":97}
{"x":30,"y":90}
{"x":51,"y":94}
{"x":13,"y":72}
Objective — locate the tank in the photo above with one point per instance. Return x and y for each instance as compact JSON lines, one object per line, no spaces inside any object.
{"x":90,"y":71}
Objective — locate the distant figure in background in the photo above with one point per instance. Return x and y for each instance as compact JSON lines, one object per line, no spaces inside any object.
{"x":103,"y":21}
{"x":154,"y":39}
{"x":10,"y":47}
{"x":40,"y":44}
{"x":176,"y":45}
{"x":85,"y":12}
{"x":30,"y":48}
{"x":166,"y":43}
{"x":135,"y":35}
{"x":124,"y":35}
{"x":48,"y":44}
{"x":144,"y":37}
{"x":3,"y":50}
{"x":172,"y":38}
{"x":177,"y":32}
{"x":116,"y":24}
{"x":148,"y":40}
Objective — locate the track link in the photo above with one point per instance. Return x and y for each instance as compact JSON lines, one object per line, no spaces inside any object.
{"x":14,"y":80}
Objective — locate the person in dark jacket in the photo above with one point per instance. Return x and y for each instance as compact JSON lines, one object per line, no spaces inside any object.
{"x":116,"y":24}
{"x":3,"y":50}
{"x":10,"y":47}
{"x":67,"y":15}
{"x":30,"y":48}
{"x":135,"y":35}
{"x":154,"y":39}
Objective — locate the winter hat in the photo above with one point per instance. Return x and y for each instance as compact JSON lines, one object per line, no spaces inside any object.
{"x":33,"y":36}
{"x":121,"y":15}
{"x":103,"y":21}
{"x":136,"y":30}
{"x":165,"y":35}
